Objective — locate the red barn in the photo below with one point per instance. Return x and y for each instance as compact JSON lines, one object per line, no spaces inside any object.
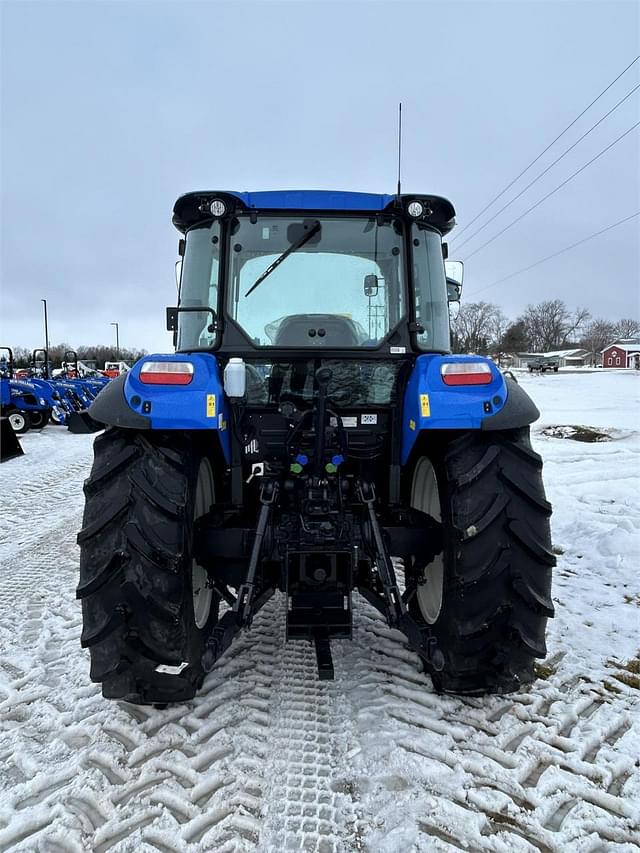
{"x":622,"y":353}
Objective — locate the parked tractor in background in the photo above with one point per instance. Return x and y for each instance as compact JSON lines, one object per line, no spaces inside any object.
{"x":115,"y":368}
{"x":23,"y":402}
{"x":313,"y":434}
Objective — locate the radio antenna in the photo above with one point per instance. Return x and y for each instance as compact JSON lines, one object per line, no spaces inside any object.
{"x":399,"y":142}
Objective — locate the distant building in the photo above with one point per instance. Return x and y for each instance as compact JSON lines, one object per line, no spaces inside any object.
{"x":625,"y":352}
{"x":566,"y":357}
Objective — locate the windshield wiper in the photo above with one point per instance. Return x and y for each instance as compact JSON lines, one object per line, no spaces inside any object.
{"x":292,"y":248}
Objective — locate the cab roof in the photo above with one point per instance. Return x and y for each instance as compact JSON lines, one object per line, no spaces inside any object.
{"x":193,"y":207}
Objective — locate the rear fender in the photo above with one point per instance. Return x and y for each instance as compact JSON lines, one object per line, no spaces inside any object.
{"x":429,"y":404}
{"x":200,"y":405}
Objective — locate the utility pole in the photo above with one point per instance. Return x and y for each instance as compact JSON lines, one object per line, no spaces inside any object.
{"x":117,"y":339}
{"x":46,"y":327}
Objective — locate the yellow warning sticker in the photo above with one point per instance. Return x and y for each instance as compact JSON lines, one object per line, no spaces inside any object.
{"x":412,"y":424}
{"x":211,"y":405}
{"x":425,"y":408}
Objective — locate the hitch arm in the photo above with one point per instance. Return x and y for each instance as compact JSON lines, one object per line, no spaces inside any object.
{"x":243,"y":605}
{"x":246,"y":605}
{"x":395,"y":607}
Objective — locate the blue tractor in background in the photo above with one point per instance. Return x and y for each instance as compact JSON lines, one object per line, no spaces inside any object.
{"x":25,"y":403}
{"x":313,"y":434}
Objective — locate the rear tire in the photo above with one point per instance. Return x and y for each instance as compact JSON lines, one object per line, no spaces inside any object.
{"x":497,"y":562}
{"x":142,"y":620}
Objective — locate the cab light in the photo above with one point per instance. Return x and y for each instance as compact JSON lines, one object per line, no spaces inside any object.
{"x":466,"y":373}
{"x":218,"y":207}
{"x":166,"y":373}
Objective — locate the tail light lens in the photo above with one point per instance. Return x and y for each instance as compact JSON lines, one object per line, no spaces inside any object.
{"x":466,"y":373}
{"x":166,"y":373}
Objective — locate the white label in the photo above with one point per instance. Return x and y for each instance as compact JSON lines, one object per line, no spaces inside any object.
{"x":397,"y":349}
{"x":265,"y":233}
{"x":368,"y":419}
{"x":167,"y":669}
{"x":346,"y":422}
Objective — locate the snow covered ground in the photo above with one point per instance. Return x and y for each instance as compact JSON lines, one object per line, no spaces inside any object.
{"x":268,"y":758}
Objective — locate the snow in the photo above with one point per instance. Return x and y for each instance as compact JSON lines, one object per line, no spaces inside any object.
{"x":268,"y":758}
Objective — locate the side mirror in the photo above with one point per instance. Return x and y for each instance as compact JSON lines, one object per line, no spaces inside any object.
{"x":172,"y":319}
{"x":371,"y":285}
{"x":454,"y":270}
{"x":454,"y":291}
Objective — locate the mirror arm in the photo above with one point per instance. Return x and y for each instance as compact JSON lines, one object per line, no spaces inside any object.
{"x":172,"y":316}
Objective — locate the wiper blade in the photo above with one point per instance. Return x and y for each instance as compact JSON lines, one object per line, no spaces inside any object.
{"x":292,"y":248}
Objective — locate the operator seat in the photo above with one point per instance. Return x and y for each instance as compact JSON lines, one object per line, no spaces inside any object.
{"x":329,"y":331}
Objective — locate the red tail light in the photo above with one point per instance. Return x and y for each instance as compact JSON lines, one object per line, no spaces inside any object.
{"x":466,"y":373}
{"x":166,"y":373}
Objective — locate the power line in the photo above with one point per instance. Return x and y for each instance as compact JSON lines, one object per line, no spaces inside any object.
{"x":555,"y":254}
{"x":533,"y":162}
{"x":557,"y":160}
{"x":555,"y":190}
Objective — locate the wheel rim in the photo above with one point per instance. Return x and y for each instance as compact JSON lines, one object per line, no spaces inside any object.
{"x":17,"y":421}
{"x":426,"y":498}
{"x":201,"y":591}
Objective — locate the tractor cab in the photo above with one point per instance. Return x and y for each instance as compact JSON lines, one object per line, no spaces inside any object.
{"x":268,"y":274}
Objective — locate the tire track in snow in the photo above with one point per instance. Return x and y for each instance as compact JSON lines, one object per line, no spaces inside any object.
{"x":268,"y":758}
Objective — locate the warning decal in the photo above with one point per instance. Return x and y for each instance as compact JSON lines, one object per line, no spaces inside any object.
{"x":211,"y":405}
{"x":425,"y":408}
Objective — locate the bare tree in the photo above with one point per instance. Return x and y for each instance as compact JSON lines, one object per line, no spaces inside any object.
{"x":21,"y":356}
{"x":499,"y":327}
{"x":597,"y":335}
{"x":102,"y":354}
{"x":550,"y":325}
{"x":478,"y":327}
{"x":627,"y":328}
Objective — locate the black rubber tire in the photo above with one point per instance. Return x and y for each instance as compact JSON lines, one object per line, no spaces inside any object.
{"x":19,"y":421}
{"x":38,"y":420}
{"x":497,"y":563}
{"x":135,"y":567}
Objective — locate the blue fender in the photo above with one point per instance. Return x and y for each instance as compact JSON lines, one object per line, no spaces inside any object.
{"x":201,"y":405}
{"x":431,"y":404}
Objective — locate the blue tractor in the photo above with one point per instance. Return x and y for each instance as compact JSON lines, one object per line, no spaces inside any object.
{"x":27,"y":404}
{"x":313,"y":434}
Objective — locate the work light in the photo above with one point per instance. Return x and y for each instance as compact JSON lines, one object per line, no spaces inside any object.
{"x":217,"y":207}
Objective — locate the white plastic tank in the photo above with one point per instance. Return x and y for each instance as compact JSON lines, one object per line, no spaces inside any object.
{"x":235,"y":378}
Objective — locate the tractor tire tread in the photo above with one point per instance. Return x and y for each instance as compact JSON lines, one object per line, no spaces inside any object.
{"x":131,"y":582}
{"x":498,"y":597}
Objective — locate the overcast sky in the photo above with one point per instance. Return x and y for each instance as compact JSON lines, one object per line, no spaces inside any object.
{"x":110,"y":110}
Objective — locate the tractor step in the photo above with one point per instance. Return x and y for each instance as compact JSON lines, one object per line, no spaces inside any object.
{"x":323,"y":656}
